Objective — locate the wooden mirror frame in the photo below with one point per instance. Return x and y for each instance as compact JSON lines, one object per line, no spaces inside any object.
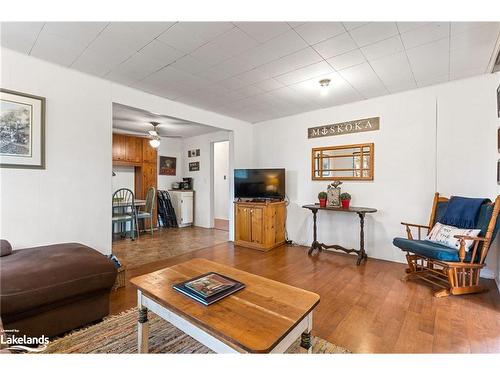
{"x":370,"y":169}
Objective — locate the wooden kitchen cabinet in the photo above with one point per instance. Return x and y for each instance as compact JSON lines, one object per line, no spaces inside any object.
{"x":119,"y":147}
{"x":133,"y":150}
{"x":149,"y":154}
{"x":259,"y":225}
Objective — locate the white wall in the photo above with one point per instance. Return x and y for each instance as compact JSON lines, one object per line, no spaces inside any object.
{"x":415,"y":155}
{"x":124,"y":177}
{"x":203,"y":179}
{"x":71,"y":199}
{"x":171,"y":147}
{"x":221,"y":180}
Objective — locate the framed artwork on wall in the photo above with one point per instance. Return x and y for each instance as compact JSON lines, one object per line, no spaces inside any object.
{"x":194,"y":166}
{"x":22,"y":130}
{"x":168,"y":165}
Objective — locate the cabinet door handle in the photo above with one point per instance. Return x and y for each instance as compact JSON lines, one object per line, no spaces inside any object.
{"x":251,"y":211}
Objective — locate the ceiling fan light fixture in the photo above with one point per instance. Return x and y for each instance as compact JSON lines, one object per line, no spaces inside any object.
{"x":155,"y":138}
{"x":324,"y":86}
{"x":154,"y":142}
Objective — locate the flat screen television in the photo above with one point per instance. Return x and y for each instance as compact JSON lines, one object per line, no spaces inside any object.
{"x":259,"y":183}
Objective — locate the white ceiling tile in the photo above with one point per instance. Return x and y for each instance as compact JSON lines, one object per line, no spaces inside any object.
{"x":19,"y":36}
{"x":81,"y":33}
{"x":363,"y":78}
{"x":305,"y":73}
{"x":315,"y":32}
{"x":407,"y":26}
{"x":461,"y":27}
{"x":395,"y":72}
{"x":138,"y":67}
{"x":268,"y":85}
{"x":275,"y":48}
{"x":486,"y":34}
{"x":469,"y":72}
{"x":347,"y":60}
{"x":206,"y":30}
{"x":179,"y":37}
{"x":121,"y":79}
{"x":353,"y":25}
{"x":373,"y":32}
{"x":249,"y":91}
{"x":226,"y":69}
{"x":473,"y":58}
{"x":94,"y":64}
{"x":169,"y":75}
{"x":134,"y":34}
{"x":232,"y":83}
{"x":109,"y":51}
{"x":189,"y":64}
{"x":224,"y":46}
{"x":430,"y":60}
{"x":253,"y":76}
{"x":293,"y":61}
{"x":335,"y":46}
{"x":383,"y":48}
{"x":161,"y":52}
{"x":53,"y":48}
{"x":263,"y":31}
{"x":432,"y":80}
{"x":429,"y":33}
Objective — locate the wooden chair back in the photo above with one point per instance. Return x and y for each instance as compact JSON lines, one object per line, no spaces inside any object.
{"x":490,"y":231}
{"x":150,"y":200}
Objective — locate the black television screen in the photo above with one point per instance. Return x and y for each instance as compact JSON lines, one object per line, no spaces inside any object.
{"x":259,"y":183}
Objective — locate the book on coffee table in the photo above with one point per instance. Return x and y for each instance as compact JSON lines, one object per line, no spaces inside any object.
{"x":209,"y":287}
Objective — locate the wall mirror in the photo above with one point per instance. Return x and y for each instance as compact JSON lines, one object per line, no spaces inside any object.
{"x":347,"y":162}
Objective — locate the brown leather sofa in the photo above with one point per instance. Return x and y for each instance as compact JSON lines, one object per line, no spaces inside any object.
{"x":49,"y":290}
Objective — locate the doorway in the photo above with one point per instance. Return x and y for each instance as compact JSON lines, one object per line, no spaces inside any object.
{"x":221,"y":185}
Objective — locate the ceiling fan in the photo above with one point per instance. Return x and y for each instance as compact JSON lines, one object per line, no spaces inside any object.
{"x":154,"y":136}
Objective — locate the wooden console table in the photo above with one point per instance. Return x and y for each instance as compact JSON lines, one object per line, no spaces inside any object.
{"x":361,"y":211}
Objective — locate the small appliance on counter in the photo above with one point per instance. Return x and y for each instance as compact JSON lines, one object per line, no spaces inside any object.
{"x":185,"y":184}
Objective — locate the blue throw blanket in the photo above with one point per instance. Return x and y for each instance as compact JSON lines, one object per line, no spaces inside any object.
{"x":462,"y":212}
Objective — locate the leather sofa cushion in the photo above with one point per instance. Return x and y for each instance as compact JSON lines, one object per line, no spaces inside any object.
{"x":37,"y":276}
{"x":5,"y":248}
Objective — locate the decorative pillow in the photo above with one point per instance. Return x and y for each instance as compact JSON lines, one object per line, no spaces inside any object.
{"x":5,"y":248}
{"x":445,"y":235}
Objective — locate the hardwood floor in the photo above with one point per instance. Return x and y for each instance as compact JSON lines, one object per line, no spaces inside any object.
{"x":165,"y":243}
{"x":367,"y":309}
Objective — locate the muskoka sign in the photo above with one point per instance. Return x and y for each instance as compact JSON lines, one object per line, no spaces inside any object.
{"x":356,"y":126}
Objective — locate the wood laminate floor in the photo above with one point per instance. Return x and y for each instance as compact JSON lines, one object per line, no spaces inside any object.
{"x":367,"y":309}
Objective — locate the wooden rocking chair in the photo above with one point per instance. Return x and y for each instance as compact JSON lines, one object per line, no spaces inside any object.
{"x":454,"y":271}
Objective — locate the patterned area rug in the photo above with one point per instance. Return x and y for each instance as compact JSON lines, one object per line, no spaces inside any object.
{"x":118,"y":334}
{"x":164,"y":244}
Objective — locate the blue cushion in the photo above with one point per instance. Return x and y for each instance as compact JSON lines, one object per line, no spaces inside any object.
{"x":429,"y":249}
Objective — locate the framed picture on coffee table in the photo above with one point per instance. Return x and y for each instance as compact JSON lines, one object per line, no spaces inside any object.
{"x":22,"y":130}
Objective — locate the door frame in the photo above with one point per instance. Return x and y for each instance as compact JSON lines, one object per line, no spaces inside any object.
{"x":231,"y":183}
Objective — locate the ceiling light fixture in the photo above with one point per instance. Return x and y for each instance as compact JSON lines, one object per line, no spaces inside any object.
{"x":324,"y":83}
{"x":155,"y":138}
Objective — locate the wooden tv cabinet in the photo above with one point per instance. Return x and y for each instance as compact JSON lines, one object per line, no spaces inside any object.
{"x":259,"y":225}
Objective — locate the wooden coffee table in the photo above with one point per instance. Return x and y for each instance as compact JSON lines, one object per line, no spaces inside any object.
{"x":265,"y":317}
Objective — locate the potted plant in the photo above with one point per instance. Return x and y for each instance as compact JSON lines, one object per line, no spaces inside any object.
{"x":322,"y":199}
{"x":345,"y":198}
